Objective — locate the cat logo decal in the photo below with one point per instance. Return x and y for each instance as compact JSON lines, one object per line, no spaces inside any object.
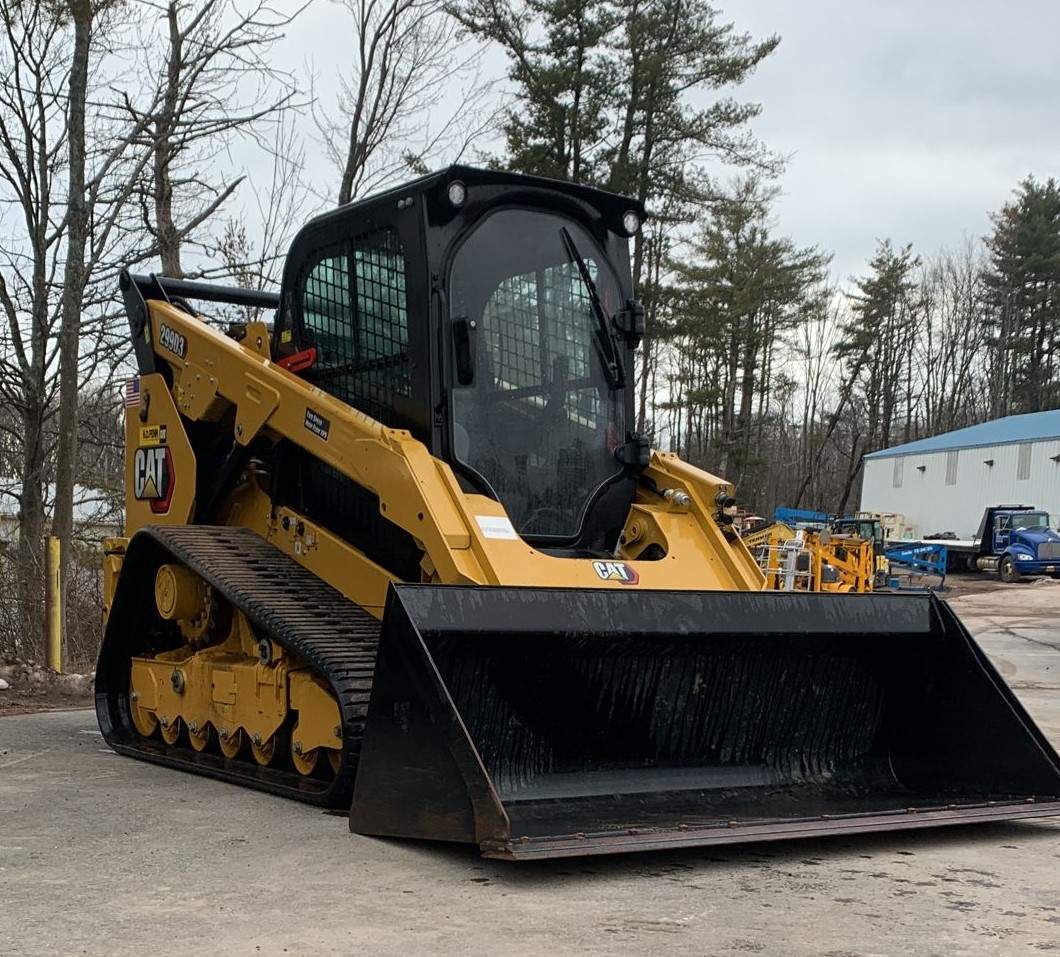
{"x":153,"y":477}
{"x":616,"y":572}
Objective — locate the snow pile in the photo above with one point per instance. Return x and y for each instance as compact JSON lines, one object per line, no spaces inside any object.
{"x":19,"y":675}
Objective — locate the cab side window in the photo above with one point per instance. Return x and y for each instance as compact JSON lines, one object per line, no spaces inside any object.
{"x":355,"y":313}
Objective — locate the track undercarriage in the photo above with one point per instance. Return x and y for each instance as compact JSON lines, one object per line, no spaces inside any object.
{"x":244,"y":691}
{"x":230,"y":679}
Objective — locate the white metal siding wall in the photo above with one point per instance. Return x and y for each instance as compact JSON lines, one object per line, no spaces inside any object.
{"x":930,"y":505}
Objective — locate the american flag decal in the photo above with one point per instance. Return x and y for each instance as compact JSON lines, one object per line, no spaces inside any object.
{"x":132,"y":391}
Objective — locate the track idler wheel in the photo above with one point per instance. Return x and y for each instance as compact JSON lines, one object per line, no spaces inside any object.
{"x":145,"y":722}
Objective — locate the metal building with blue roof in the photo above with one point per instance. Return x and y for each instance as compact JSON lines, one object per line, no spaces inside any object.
{"x":943,"y":484}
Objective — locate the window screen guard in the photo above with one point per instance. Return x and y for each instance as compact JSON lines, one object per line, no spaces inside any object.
{"x":355,"y":313}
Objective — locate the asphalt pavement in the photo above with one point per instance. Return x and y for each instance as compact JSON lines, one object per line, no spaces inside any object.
{"x":101,"y":854}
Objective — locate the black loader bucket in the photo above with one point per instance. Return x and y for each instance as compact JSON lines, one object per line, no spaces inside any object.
{"x":559,"y":722}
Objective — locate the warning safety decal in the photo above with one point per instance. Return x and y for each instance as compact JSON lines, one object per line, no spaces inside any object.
{"x":317,"y":424}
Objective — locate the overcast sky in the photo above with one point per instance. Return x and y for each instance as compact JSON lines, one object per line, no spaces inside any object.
{"x":902,"y":119}
{"x":909,"y":120}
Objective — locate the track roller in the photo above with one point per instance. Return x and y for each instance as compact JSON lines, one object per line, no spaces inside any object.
{"x":305,"y":762}
{"x":199,"y":736}
{"x":143,"y":720}
{"x":231,"y":742}
{"x":264,"y":752}
{"x":170,"y":730}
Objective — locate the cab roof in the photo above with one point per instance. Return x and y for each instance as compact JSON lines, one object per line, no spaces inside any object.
{"x":611,"y":205}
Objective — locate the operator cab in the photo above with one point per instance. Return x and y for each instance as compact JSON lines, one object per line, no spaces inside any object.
{"x":491,"y":315}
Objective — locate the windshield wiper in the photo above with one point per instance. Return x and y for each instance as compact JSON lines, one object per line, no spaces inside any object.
{"x":605,"y":342}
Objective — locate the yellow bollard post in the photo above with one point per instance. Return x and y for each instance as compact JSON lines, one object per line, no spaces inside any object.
{"x":53,"y":607}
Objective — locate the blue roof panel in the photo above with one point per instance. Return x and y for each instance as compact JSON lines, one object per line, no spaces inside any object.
{"x":1032,"y":427}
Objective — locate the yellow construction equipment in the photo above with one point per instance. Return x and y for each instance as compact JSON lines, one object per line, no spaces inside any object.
{"x":871,"y":528}
{"x":768,"y":534}
{"x":395,"y":547}
{"x":813,"y":559}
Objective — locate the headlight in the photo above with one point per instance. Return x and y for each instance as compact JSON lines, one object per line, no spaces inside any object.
{"x":630,"y":222}
{"x":457,"y":193}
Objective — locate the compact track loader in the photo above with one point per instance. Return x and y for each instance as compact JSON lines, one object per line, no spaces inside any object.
{"x":398,"y":549}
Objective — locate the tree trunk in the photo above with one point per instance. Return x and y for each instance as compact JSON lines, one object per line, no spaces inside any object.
{"x":654,"y":254}
{"x":31,"y":526}
{"x":31,"y":505}
{"x":749,"y":362}
{"x":856,"y":462}
{"x":168,"y":234}
{"x":73,"y":287}
{"x":833,"y":421}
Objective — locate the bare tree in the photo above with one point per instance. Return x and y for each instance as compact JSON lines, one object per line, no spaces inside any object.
{"x":954,"y":340}
{"x":218,"y":84}
{"x":34,"y":60}
{"x":813,"y":343}
{"x":279,"y":209}
{"x":81,"y":14}
{"x":96,"y":241}
{"x":406,"y":57}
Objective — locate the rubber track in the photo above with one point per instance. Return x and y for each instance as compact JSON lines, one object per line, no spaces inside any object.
{"x":293,"y":607}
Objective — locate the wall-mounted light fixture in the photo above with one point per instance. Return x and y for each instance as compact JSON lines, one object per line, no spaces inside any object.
{"x":1055,"y":458}
{"x":989,"y":463}
{"x":921,"y":468}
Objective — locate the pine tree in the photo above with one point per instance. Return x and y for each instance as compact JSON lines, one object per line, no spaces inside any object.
{"x":876,"y":346}
{"x":1024,"y":288}
{"x":737,"y":295}
{"x":603,"y":94}
{"x":563,"y":82}
{"x":663,"y":51}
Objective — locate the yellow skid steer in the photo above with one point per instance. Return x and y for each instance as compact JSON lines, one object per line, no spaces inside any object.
{"x":396,"y":547}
